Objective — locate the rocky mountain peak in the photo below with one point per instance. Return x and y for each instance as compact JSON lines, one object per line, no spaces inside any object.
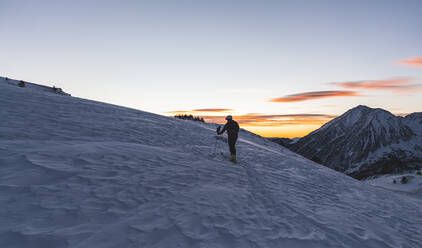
{"x":364,"y":138}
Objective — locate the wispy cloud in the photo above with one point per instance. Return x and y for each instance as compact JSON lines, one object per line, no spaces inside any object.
{"x":212,"y":110}
{"x":411,"y":62}
{"x":314,"y":95}
{"x":244,"y":91}
{"x":197,"y":111}
{"x":395,"y":85}
{"x":262,"y":120}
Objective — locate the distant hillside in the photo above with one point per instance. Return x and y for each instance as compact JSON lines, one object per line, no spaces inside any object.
{"x":28,"y":85}
{"x":365,"y":142}
{"x":281,"y":141}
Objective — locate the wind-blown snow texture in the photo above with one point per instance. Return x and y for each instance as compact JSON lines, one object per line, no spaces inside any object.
{"x":79,"y":173}
{"x":413,"y":186}
{"x":364,"y":142}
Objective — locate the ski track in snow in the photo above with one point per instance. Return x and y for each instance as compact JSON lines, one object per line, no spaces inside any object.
{"x":79,"y":173}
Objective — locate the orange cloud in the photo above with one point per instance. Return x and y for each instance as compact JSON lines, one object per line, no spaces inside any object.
{"x":196,"y":111}
{"x":395,"y":85}
{"x":178,"y":112}
{"x":314,"y":95}
{"x":212,"y":110}
{"x":411,"y":62}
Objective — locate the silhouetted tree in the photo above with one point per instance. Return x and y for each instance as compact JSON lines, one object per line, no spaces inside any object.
{"x":189,"y":117}
{"x":21,"y":84}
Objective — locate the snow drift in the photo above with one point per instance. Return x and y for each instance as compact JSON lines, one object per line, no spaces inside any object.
{"x":80,"y":173}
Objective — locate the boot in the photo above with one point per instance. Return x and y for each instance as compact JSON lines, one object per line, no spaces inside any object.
{"x":233,"y":159}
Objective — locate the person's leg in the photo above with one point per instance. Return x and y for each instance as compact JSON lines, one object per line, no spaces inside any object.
{"x":232,"y":146}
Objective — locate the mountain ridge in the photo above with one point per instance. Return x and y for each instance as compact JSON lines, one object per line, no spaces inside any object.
{"x":364,"y":142}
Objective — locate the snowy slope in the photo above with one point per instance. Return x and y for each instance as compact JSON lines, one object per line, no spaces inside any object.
{"x":79,"y":173}
{"x":364,"y":142}
{"x":32,"y":86}
{"x":413,"y":186}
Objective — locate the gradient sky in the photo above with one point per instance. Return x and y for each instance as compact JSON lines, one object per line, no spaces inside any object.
{"x":283,"y":68}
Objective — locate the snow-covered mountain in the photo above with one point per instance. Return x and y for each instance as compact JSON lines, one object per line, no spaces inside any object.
{"x":364,"y":142}
{"x":80,"y":173}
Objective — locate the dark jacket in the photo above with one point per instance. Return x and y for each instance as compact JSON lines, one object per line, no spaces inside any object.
{"x":231,"y":127}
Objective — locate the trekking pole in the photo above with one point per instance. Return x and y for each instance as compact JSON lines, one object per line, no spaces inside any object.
{"x":215,"y":145}
{"x":215,"y":142}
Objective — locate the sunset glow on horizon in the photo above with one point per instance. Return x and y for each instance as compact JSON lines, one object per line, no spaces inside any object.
{"x":276,"y":126}
{"x":283,"y":126}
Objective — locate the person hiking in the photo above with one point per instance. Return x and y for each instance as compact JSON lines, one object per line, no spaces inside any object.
{"x":232,"y":129}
